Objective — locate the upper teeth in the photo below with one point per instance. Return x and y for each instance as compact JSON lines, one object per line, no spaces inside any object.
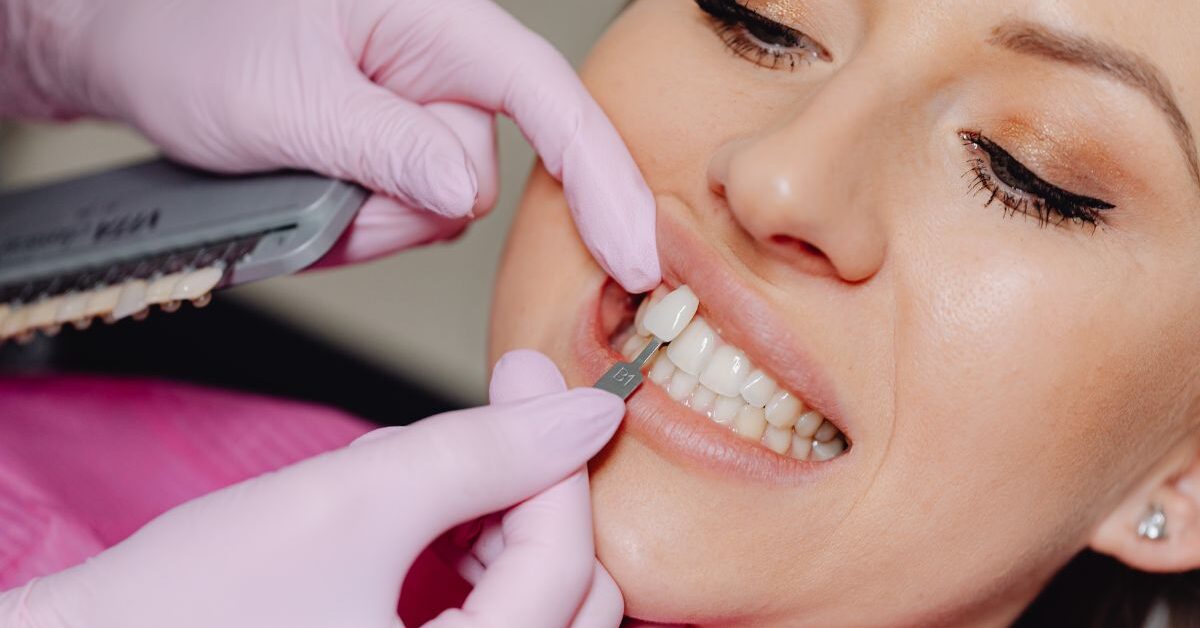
{"x":716,"y":379}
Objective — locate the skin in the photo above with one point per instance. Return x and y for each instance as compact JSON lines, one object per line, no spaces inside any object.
{"x":1017,"y":392}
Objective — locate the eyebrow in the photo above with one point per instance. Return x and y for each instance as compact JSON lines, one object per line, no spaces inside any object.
{"x":1125,"y":66}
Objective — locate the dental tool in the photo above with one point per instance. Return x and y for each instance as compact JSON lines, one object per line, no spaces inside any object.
{"x":111,"y":245}
{"x":663,"y":323}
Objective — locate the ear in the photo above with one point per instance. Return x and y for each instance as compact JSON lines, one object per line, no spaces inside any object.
{"x":1176,"y":488}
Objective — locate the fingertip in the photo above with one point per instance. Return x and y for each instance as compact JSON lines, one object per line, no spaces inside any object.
{"x":451,"y":187}
{"x":522,"y":374}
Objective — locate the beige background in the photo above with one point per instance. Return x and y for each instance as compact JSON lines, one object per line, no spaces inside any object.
{"x":422,"y":313}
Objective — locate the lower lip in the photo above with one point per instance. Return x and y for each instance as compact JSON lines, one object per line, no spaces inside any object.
{"x":674,"y":430}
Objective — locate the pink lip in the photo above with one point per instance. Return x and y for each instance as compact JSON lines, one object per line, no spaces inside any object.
{"x":679,"y":433}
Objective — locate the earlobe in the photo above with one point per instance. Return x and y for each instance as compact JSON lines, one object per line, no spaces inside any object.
{"x":1157,"y":529}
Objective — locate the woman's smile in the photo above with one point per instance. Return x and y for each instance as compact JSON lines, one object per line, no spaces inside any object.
{"x":731,"y":393}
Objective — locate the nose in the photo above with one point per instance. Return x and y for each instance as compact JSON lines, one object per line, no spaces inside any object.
{"x":805,"y":189}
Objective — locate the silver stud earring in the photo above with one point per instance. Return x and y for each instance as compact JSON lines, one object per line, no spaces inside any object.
{"x":1153,"y":526}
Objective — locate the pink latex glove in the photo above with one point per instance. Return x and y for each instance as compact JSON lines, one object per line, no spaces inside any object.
{"x":328,"y":542}
{"x":398,"y":95}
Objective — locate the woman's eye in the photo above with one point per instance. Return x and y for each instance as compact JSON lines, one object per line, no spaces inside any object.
{"x":1002,"y":178}
{"x":759,"y":39}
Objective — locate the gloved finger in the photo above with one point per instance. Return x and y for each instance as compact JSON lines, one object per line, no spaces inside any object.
{"x":384,"y":226}
{"x":604,"y":605}
{"x":502,"y":66}
{"x":520,"y":374}
{"x":465,"y":464}
{"x":393,"y":146}
{"x":476,"y":129}
{"x":545,"y":569}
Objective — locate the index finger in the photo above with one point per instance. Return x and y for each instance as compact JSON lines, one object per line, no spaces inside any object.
{"x":498,"y":64}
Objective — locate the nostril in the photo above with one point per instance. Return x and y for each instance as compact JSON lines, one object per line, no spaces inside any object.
{"x":804,"y":253}
{"x":802,"y":246}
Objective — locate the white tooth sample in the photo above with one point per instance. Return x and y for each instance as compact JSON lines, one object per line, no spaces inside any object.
{"x":828,"y":450}
{"x":639,"y":319}
{"x":4,"y":310}
{"x":726,"y":371}
{"x":777,"y":440}
{"x":633,"y":346}
{"x":41,"y":314}
{"x":661,"y":369}
{"x":703,"y":399}
{"x":102,"y":301}
{"x":758,"y":389}
{"x":71,"y":308}
{"x":783,"y":409}
{"x":801,"y":447}
{"x":15,"y":323}
{"x":808,"y":424}
{"x":159,"y":290}
{"x":750,"y":423}
{"x":681,"y":386}
{"x":726,"y":408}
{"x":692,"y":349}
{"x":132,"y":299}
{"x":197,"y":283}
{"x":826,"y":432}
{"x":670,"y":316}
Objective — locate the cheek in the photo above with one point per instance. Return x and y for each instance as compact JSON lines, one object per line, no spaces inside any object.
{"x":545,"y":276}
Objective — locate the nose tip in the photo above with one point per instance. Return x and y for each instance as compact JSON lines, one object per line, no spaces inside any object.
{"x":800,"y":206}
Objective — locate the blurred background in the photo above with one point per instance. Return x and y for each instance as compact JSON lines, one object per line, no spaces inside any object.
{"x":390,"y":341}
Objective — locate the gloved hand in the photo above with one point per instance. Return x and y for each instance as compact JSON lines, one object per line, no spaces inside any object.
{"x":328,"y":542}
{"x":398,"y":95}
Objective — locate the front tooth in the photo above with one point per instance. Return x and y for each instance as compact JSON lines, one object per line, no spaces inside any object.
{"x":726,"y":371}
{"x":661,"y":370}
{"x":808,"y":424}
{"x":633,"y":346}
{"x":828,"y":450}
{"x":692,"y":349}
{"x":159,"y":291}
{"x":15,"y":322}
{"x":726,"y":408}
{"x":132,"y":299}
{"x":750,"y":423}
{"x":667,"y":318}
{"x":801,"y":447}
{"x":703,"y":399}
{"x":102,"y":301}
{"x":72,"y":308}
{"x":4,"y":311}
{"x":197,"y":283}
{"x":777,"y":440}
{"x":41,"y":314}
{"x":758,"y":389}
{"x":826,"y":432}
{"x":681,"y":386}
{"x":783,"y":410}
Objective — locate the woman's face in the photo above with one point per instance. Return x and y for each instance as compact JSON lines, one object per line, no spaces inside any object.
{"x":966,"y":232}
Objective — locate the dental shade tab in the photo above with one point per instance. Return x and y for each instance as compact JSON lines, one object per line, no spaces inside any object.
{"x":670,"y":317}
{"x":113,"y":244}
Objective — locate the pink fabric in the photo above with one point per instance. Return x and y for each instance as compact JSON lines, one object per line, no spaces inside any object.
{"x":84,"y":462}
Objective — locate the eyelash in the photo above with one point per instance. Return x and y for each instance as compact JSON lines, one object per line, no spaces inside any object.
{"x":774,"y":46}
{"x":760,"y":40}
{"x":1005,"y":179}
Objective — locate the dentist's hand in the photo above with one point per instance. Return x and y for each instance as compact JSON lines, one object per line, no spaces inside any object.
{"x":398,"y":95}
{"x":328,"y":542}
